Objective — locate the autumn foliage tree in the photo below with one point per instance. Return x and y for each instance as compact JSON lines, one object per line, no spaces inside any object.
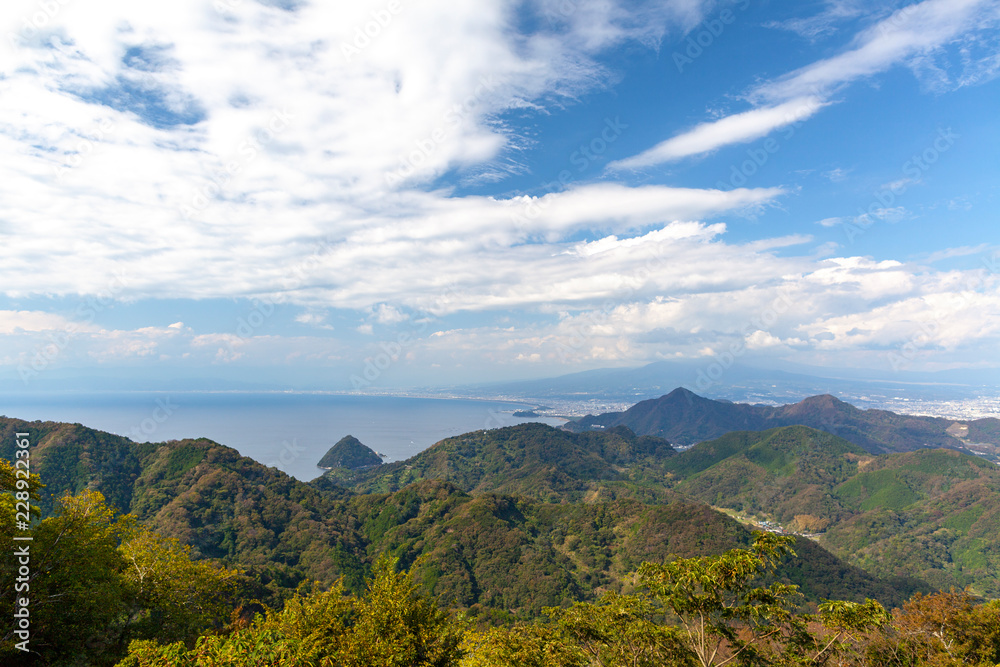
{"x":947,"y":629}
{"x":391,"y":626}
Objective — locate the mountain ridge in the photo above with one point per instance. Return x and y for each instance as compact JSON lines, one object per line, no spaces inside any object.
{"x":495,"y":553}
{"x":685,"y":418}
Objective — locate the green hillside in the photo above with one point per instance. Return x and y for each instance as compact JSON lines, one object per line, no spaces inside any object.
{"x":532,"y":460}
{"x":108,"y":581}
{"x":932,"y":514}
{"x":783,"y":472}
{"x":493,"y":552}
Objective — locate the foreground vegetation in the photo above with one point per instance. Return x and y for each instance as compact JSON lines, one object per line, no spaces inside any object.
{"x":701,"y":612}
{"x":104,"y":591}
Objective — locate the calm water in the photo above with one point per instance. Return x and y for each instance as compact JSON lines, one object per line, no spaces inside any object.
{"x":287,"y":431}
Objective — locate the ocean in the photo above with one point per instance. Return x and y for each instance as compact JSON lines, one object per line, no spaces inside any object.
{"x":290,"y":431}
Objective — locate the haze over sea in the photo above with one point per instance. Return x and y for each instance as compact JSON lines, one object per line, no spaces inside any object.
{"x":290,"y":431}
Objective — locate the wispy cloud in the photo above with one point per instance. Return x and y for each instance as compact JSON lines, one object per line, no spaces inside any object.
{"x":825,"y":22}
{"x":912,"y":32}
{"x":739,"y":128}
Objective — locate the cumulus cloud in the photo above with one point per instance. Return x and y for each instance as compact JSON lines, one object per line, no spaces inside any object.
{"x":856,"y":307}
{"x":295,"y":151}
{"x":243,"y":148}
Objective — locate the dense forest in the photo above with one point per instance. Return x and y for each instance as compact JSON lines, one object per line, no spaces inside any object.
{"x":524,"y":545}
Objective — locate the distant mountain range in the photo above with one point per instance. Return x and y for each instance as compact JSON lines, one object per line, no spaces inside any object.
{"x":739,"y":381}
{"x":685,"y":418}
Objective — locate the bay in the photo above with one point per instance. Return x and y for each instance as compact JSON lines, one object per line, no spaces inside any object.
{"x":289,"y":431}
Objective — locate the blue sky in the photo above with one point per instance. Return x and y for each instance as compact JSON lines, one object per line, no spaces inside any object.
{"x":379,"y":194}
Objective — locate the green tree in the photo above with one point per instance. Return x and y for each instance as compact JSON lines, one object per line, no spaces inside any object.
{"x":724,"y":617}
{"x":391,"y":625}
{"x":695,"y":611}
{"x":170,"y":596}
{"x":848,"y":627}
{"x":98,"y":580}
{"x":15,"y":487}
{"x":396,"y":626}
{"x":623,"y":630}
{"x":521,"y":646}
{"x":77,"y":596}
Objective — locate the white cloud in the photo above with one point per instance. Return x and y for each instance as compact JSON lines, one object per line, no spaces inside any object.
{"x":962,"y":251}
{"x":269,"y":160}
{"x":34,"y":321}
{"x":386,"y":314}
{"x":825,"y":22}
{"x":891,"y":215}
{"x":919,"y":28}
{"x":738,"y":128}
{"x":249,"y":152}
{"x":314,"y":319}
{"x":854,"y":306}
{"x":837,"y":175}
{"x":915,"y":31}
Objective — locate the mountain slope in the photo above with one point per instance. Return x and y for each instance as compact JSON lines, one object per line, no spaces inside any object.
{"x":350,"y":453}
{"x":685,"y":418}
{"x":496,"y":552}
{"x":493,"y":553}
{"x":530,"y":459}
{"x":224,"y":505}
{"x":932,"y":513}
{"x":784,"y":473}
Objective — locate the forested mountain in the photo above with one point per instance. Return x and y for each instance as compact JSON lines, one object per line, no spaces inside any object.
{"x":933,"y":513}
{"x":501,"y":523}
{"x":806,"y":479}
{"x":684,"y":418}
{"x":532,"y":460}
{"x":489,"y":540}
{"x":785,"y":473}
